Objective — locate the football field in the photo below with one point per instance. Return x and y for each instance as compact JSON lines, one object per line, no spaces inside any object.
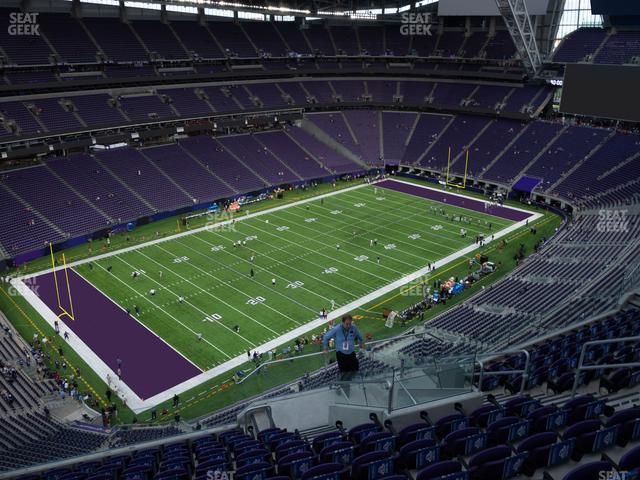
{"x":215,"y":293}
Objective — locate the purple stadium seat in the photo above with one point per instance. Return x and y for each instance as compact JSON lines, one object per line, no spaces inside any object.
{"x":360,"y":432}
{"x":630,"y":461}
{"x":338,"y":452}
{"x":499,"y":430}
{"x":537,"y":447}
{"x":454,"y":443}
{"x":584,"y":433}
{"x":249,"y":471}
{"x":372,"y":465}
{"x":481,"y":415}
{"x":380,"y":441}
{"x":411,"y":432}
{"x":590,"y":471}
{"x":539,"y":417}
{"x":252,"y":456}
{"x":410,"y":457}
{"x":295,"y":464}
{"x":450,"y":423}
{"x":292,"y":446}
{"x":325,"y":471}
{"x":616,"y":381}
{"x":489,"y":464}
{"x":326,"y":439}
{"x":439,"y":469}
{"x":626,"y":421}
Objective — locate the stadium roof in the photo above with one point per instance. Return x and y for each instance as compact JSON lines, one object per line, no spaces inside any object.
{"x":362,"y":9}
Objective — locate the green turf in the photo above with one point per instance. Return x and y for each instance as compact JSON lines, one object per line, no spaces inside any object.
{"x":296,"y":246}
{"x":220,"y":391}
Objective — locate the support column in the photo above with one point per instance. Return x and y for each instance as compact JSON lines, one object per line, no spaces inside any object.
{"x":518,"y":21}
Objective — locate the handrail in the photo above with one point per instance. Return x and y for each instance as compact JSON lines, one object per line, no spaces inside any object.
{"x":411,"y":397}
{"x":316,"y":354}
{"x":581,"y":366}
{"x":524,"y":371}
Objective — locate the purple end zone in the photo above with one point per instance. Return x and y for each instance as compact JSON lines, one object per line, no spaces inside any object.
{"x":455,"y":200}
{"x":149,"y":365}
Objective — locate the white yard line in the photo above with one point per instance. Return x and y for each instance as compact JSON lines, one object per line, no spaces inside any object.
{"x":397,"y":219}
{"x":173,"y":272}
{"x":486,"y":202}
{"x":89,"y":356}
{"x":266,"y":285}
{"x":319,"y":322}
{"x":138,"y":405}
{"x":331,"y":259}
{"x":377,"y":227}
{"x":287,"y":265}
{"x":248,"y":296}
{"x":192,"y":231}
{"x":471,"y":228}
{"x":144,"y":297}
{"x":328,"y":232}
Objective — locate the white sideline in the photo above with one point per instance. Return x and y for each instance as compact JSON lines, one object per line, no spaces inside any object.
{"x":139,"y":405}
{"x":195,"y":230}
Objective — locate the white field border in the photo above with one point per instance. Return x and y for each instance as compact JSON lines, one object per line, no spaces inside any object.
{"x":138,"y":404}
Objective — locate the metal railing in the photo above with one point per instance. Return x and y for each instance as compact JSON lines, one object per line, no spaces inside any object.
{"x":524,"y":372}
{"x":294,"y":358}
{"x":395,"y":390}
{"x":582,"y":367}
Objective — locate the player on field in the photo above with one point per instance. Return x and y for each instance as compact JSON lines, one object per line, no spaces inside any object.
{"x":152,"y":292}
{"x":273,"y":282}
{"x":160,"y":274}
{"x":251,"y":273}
{"x":333,"y":304}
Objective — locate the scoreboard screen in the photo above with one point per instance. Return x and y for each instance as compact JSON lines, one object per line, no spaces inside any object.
{"x":606,"y":91}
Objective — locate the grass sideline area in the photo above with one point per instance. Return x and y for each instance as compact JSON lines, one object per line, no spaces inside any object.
{"x":268,"y":275}
{"x":221,"y":391}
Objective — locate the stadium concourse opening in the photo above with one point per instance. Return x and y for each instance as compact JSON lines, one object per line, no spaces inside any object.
{"x":191,"y":304}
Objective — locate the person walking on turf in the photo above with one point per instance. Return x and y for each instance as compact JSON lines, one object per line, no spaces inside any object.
{"x":345,"y":336}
